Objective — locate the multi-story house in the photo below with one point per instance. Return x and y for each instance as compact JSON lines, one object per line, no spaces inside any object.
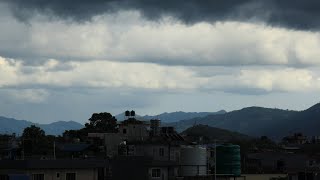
{"x":54,"y":169}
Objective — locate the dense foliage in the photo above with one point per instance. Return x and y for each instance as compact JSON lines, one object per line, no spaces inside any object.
{"x":35,"y":141}
{"x":102,"y":122}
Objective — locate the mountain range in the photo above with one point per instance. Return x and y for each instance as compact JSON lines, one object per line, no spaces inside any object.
{"x":11,"y":125}
{"x":172,"y":116}
{"x":252,"y":121}
{"x":180,"y":115}
{"x":258,"y":121}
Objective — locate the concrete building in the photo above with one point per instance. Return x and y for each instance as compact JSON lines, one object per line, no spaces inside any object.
{"x":8,"y":146}
{"x":133,"y":130}
{"x":296,"y":139}
{"x":255,"y":177}
{"x":130,"y":130}
{"x":315,"y":139}
{"x":108,"y":142}
{"x":54,"y":169}
{"x":142,"y":168}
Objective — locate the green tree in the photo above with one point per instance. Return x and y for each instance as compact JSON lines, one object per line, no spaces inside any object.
{"x":33,"y":132}
{"x":70,"y":135}
{"x":35,"y":141}
{"x":102,"y":122}
{"x":98,"y":123}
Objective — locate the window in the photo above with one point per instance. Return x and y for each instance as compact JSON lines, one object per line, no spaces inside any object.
{"x":161,"y":151}
{"x":71,"y":176}
{"x":212,"y":153}
{"x":155,"y":173}
{"x":4,"y":177}
{"x":177,"y":156}
{"x":58,"y":175}
{"x":124,"y":131}
{"x":37,"y":176}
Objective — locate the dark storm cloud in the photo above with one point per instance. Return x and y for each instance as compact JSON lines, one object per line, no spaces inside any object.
{"x":297,"y":14}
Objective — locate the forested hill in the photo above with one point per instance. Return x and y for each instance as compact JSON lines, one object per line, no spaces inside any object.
{"x":210,"y":134}
{"x":258,"y":121}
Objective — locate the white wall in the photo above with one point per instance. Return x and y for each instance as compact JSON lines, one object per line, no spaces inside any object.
{"x":134,"y":131}
{"x":111,"y":142}
{"x":153,"y":151}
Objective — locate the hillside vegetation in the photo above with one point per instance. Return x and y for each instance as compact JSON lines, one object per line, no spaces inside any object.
{"x":258,"y":121}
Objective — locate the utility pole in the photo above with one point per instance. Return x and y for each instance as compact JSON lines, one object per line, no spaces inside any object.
{"x":54,"y":150}
{"x":215,"y":159}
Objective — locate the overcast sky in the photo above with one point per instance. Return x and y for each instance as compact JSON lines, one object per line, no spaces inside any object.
{"x":65,"y":59}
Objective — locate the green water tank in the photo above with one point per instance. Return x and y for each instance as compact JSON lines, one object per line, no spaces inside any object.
{"x":228,"y":159}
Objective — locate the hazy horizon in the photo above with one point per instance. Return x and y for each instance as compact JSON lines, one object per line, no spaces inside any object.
{"x":84,"y":120}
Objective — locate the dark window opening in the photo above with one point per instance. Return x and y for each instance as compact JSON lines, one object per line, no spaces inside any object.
{"x":71,"y":176}
{"x":4,"y":177}
{"x":161,"y":152}
{"x":37,"y":176}
{"x":155,"y":173}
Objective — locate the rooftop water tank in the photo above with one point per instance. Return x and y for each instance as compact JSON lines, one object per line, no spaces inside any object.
{"x":133,"y":113}
{"x":193,"y":161}
{"x":228,"y":159}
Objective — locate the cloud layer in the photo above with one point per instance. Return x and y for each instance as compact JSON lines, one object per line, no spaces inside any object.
{"x":127,"y":37}
{"x":84,"y":57}
{"x":286,"y":13}
{"x":151,"y":77}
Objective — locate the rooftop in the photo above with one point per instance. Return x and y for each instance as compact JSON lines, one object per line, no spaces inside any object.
{"x":52,"y":164}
